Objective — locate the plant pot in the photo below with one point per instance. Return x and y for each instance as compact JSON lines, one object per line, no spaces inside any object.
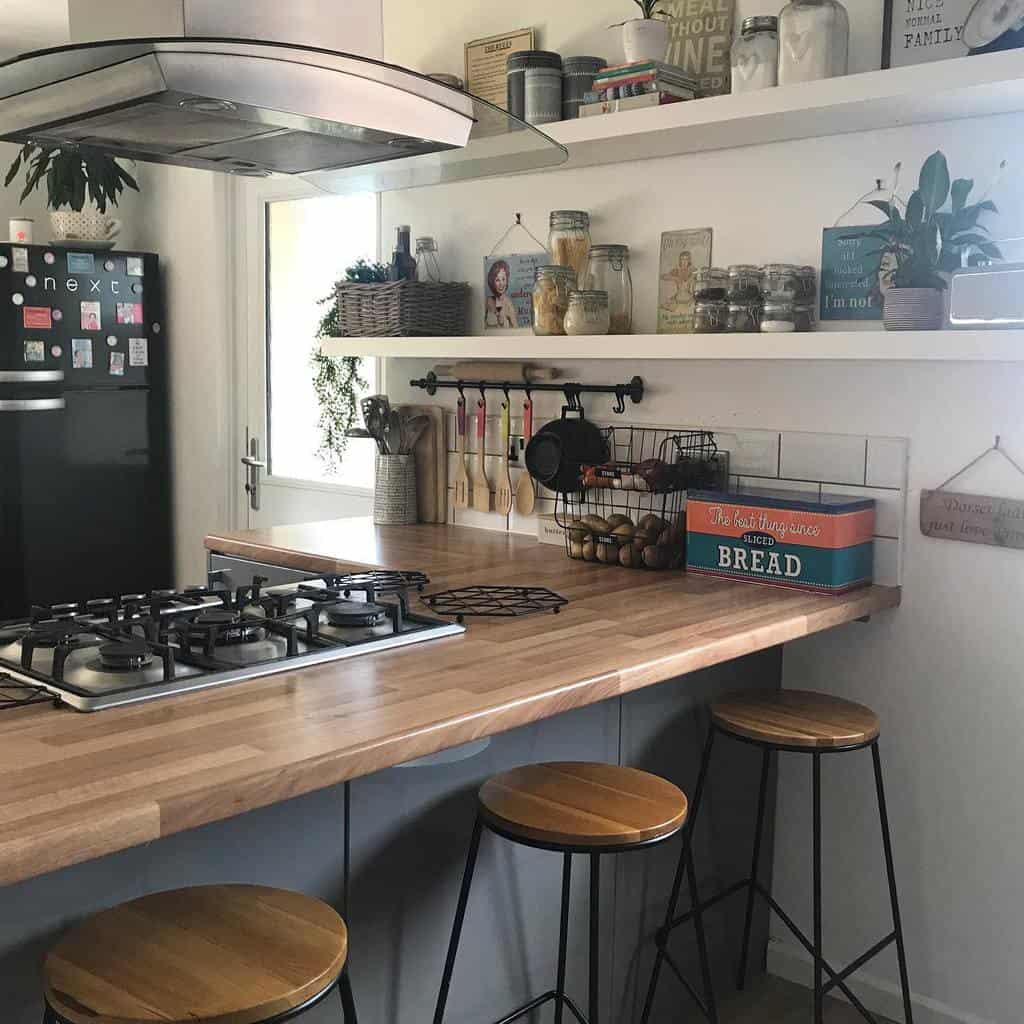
{"x":913,"y":309}
{"x":645,"y":39}
{"x":394,"y":494}
{"x":88,"y":225}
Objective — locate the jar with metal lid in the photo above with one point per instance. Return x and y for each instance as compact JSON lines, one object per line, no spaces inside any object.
{"x":569,"y":240}
{"x":428,"y":267}
{"x":814,"y":41}
{"x":577,"y":80}
{"x":808,"y":284}
{"x":778,"y":317}
{"x":804,"y":318}
{"x":743,"y":318}
{"x":744,"y":283}
{"x":710,"y":283}
{"x":710,"y":316}
{"x":755,"y":55}
{"x":551,"y":289}
{"x":608,"y":271}
{"x":541,"y":84}
{"x":588,"y":313}
{"x":781,"y":281}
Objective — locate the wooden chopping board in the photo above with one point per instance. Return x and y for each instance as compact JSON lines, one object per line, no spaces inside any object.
{"x":431,"y":465}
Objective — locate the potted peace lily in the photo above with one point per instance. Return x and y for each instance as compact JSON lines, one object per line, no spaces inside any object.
{"x":81,"y":183}
{"x":930,"y":235}
{"x":645,"y":38}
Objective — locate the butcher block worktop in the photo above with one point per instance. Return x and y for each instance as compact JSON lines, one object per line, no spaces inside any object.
{"x":78,"y":786}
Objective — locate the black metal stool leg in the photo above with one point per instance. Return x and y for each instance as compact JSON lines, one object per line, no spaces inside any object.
{"x":460,"y":916}
{"x":762,"y":800}
{"x":702,"y":945}
{"x":897,"y":922}
{"x":677,"y":884}
{"x":348,"y":1003}
{"x":819,"y":998}
{"x":48,"y":1016}
{"x":595,"y":933}
{"x":563,"y":938}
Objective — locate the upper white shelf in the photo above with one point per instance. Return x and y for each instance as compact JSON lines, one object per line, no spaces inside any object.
{"x":822,"y":346}
{"x":941,"y":91}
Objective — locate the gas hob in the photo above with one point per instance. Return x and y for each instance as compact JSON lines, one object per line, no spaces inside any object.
{"x":113,"y":651}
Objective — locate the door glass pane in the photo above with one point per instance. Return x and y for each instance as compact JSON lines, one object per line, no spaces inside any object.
{"x":310,"y":242}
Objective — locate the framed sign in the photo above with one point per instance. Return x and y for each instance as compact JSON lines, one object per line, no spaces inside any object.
{"x":700,"y":40}
{"x":508,"y":290}
{"x":973,"y":518}
{"x":486,"y":60}
{"x":918,"y":31}
{"x":682,"y":252}
{"x":855,"y":275}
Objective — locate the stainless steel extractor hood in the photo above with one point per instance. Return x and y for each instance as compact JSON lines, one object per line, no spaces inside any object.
{"x":261,"y":107}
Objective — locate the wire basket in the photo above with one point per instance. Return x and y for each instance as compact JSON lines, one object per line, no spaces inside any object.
{"x":631,"y":510}
{"x":403,"y":309}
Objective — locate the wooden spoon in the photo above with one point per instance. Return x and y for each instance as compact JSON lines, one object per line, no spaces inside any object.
{"x":481,"y":485}
{"x":526,"y":493}
{"x":460,"y":499}
{"x":503,"y":492}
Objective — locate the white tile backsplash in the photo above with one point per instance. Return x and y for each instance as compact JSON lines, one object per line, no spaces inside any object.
{"x":751,"y":452}
{"x":887,"y":462}
{"x":888,"y":569}
{"x":826,"y":458}
{"x":890,"y":507}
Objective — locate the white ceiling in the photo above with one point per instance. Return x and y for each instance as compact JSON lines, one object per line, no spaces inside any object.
{"x":32,"y":26}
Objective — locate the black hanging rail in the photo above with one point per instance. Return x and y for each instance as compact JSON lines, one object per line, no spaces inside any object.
{"x":634,"y":390}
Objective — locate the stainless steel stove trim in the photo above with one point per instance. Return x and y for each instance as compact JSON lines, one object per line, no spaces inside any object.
{"x":31,"y":404}
{"x":31,"y":376}
{"x":242,"y":674}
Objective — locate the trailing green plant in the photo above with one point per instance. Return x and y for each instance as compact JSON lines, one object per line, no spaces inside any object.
{"x":337,"y":380}
{"x":73,"y":174}
{"x":649,"y":10}
{"x":924,"y":238}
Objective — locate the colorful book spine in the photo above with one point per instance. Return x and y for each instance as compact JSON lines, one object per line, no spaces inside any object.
{"x":651,"y":99}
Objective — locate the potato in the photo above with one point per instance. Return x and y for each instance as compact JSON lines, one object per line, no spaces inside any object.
{"x":607,"y":553}
{"x":642,"y":538}
{"x":576,"y":549}
{"x":589,"y":551}
{"x":666,"y":538}
{"x":618,"y":520}
{"x":653,"y":524}
{"x":597,"y":524}
{"x":624,"y":533}
{"x":656,"y":558}
{"x":578,"y":530}
{"x":630,"y":557}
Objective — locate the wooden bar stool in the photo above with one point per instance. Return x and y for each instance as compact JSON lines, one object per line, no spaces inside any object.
{"x":571,"y":808}
{"x":799,"y":722}
{"x":220,"y":954}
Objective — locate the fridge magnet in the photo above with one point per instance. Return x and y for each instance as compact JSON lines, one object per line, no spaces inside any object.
{"x":135,"y":266}
{"x":508,"y":282}
{"x":112,"y":340}
{"x":30,"y":281}
{"x":38,"y":318}
{"x":682,"y":252}
{"x":3,"y":262}
{"x":109,"y":266}
{"x":855,"y":273}
{"x":35,"y":352}
{"x":129,"y":312}
{"x":56,"y":351}
{"x":117,"y":364}
{"x":138,"y":352}
{"x":49,"y":258}
{"x":81,"y":353}
{"x":92,"y":318}
{"x":18,"y":299}
{"x":19,"y":258}
{"x":58,"y":315}
{"x":700,"y":41}
{"x":81,"y":263}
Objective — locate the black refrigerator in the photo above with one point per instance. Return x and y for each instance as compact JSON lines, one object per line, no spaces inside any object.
{"x":85,"y":490}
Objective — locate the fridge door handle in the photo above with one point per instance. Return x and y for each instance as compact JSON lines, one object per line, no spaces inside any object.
{"x":254,"y":466}
{"x":32,"y":404}
{"x":31,"y":376}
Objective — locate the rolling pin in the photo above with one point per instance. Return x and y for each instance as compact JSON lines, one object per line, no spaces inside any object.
{"x":497,"y":371}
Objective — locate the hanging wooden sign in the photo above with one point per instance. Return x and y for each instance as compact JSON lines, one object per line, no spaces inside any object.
{"x":973,"y":518}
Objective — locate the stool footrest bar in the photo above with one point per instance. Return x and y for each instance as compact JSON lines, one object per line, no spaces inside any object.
{"x":861,"y":961}
{"x":691,"y":991}
{"x":535,"y":1004}
{"x":706,"y":905}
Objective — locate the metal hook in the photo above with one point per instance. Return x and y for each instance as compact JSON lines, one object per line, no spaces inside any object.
{"x":462,"y":392}
{"x":519,"y":220}
{"x":483,"y":394}
{"x":620,"y":401}
{"x":999,"y":441}
{"x":505,"y":388}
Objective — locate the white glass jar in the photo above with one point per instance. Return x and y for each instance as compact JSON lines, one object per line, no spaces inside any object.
{"x":778,"y":317}
{"x":755,"y":55}
{"x":588,"y":313}
{"x":814,"y":41}
{"x":608,"y":271}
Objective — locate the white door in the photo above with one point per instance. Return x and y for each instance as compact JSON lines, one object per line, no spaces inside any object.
{"x":296,"y":243}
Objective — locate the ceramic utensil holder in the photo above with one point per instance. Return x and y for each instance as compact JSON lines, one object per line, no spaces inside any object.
{"x":394,"y":496}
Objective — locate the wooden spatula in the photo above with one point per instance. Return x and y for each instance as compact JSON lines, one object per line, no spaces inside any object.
{"x":460,"y":498}
{"x":503,"y":492}
{"x":481,"y":485}
{"x":526,"y":493}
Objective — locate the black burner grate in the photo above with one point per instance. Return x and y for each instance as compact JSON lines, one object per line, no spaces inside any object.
{"x":21,"y":695}
{"x":495,"y":602}
{"x":378,"y":581}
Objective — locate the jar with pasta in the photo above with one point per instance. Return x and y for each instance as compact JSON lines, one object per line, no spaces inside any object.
{"x":551,"y":299}
{"x":588,"y":313}
{"x":608,"y":271}
{"x":569,"y":241}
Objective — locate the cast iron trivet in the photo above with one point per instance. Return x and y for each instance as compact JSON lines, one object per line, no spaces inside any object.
{"x":504,"y":602}
{"x":379,"y":581}
{"x":21,"y":695}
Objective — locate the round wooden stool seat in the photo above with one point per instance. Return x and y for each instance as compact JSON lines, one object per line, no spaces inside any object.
{"x":582,"y":805}
{"x":796,"y":718}
{"x":223,"y":954}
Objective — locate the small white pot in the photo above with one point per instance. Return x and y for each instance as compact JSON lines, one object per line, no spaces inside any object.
{"x":645,"y":39}
{"x":87,"y":225}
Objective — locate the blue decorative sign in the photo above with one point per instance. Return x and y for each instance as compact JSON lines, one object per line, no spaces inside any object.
{"x":854,"y":274}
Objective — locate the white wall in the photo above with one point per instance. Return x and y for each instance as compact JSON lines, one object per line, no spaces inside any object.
{"x":942,"y":671}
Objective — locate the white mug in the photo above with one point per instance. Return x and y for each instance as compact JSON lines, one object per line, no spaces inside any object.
{"x":20,"y":230}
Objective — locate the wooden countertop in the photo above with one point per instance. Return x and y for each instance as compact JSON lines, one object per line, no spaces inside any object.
{"x":79,"y":786}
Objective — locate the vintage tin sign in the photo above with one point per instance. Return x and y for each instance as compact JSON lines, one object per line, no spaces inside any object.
{"x":782,"y":538}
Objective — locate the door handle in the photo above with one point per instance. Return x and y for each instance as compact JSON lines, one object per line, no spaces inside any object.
{"x":32,"y":404}
{"x":254,"y":466}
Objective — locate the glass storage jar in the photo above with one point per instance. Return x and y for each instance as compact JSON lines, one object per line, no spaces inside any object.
{"x":710,"y":283}
{"x":551,"y":299}
{"x":778,"y":317}
{"x":804,"y":319}
{"x":743,"y":318}
{"x":569,"y":240}
{"x":781,"y":281}
{"x":744,"y":283}
{"x":710,"y":316}
{"x":814,"y":41}
{"x":588,"y":313}
{"x":608,"y":271}
{"x":428,"y":267}
{"x":808,"y":284}
{"x":755,"y":55}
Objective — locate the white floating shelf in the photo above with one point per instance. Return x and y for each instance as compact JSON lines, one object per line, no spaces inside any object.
{"x":947,"y":90}
{"x":820,"y":346}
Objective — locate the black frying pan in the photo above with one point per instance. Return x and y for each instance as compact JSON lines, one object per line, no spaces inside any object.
{"x":556,"y":452}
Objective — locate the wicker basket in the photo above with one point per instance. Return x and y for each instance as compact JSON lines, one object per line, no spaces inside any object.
{"x":403,"y":309}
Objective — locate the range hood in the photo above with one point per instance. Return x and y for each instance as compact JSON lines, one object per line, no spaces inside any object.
{"x":259,"y":108}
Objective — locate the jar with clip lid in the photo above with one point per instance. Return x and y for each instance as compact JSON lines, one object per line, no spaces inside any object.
{"x":755,"y":55}
{"x":587,"y":313}
{"x":608,"y":271}
{"x":551,"y":299}
{"x":569,"y":240}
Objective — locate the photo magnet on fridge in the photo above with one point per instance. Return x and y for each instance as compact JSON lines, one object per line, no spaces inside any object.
{"x":37,"y":317}
{"x":129,"y":312}
{"x":81,"y":353}
{"x":117,"y":364}
{"x":81,"y":263}
{"x":35,"y":352}
{"x":138,"y":352}
{"x":92,"y":316}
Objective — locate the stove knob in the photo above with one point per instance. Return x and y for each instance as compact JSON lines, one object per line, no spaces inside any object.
{"x":133,"y":598}
{"x":64,"y":611}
